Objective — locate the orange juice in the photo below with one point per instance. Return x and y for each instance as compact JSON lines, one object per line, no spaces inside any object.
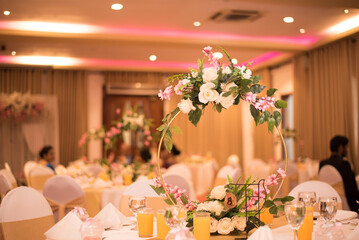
{"x":145,"y":224}
{"x":305,"y":231}
{"x":162,"y":227}
{"x":127,"y":179}
{"x":201,"y":226}
{"x":266,"y":217}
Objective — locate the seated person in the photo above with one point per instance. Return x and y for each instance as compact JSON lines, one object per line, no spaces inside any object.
{"x":168,"y":159}
{"x":145,"y":154}
{"x":339,"y":149}
{"x":47,"y":155}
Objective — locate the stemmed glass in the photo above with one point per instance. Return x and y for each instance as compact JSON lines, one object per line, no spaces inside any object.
{"x":176,"y":219}
{"x":327,"y":209}
{"x":135,"y":204}
{"x":295,"y":213}
{"x":309,"y":198}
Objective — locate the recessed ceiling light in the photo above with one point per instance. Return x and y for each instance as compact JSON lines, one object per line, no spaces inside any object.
{"x":346,"y":11}
{"x":13,"y":53}
{"x":6,"y":13}
{"x":196,"y":23}
{"x":138,"y":85}
{"x":288,"y":19}
{"x":302,"y":30}
{"x":116,"y":6}
{"x":218,"y":55}
{"x":234,"y":61}
{"x":153,"y":58}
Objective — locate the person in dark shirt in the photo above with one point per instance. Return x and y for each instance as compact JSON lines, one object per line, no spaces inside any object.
{"x":339,"y":149}
{"x":47,"y":154}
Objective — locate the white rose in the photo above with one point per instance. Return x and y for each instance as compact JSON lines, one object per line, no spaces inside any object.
{"x":207,"y":94}
{"x":227,"y":87}
{"x":218,"y":192}
{"x":225,"y":226}
{"x":226,"y":102}
{"x":194,"y":74}
{"x":239,"y":223}
{"x":247,"y":74}
{"x":209,"y":74}
{"x":203,"y":207}
{"x":185,"y":81}
{"x":226,"y":70}
{"x":216,"y":207}
{"x":186,"y":105}
{"x":213,"y":225}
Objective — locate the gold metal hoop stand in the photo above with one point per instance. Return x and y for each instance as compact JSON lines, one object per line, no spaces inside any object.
{"x":159,"y":163}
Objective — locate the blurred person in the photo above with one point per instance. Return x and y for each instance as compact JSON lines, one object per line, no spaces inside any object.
{"x":339,"y":150}
{"x":145,"y":154}
{"x":169,"y":158}
{"x":47,"y":157}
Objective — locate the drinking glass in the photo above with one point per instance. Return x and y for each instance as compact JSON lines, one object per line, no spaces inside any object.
{"x":309,"y":198}
{"x":81,"y":213}
{"x":327,"y":210}
{"x":91,"y":229}
{"x":176,"y":219}
{"x":295,"y":213}
{"x":162,"y":227}
{"x":135,"y":204}
{"x":145,"y":222}
{"x":201,"y":225}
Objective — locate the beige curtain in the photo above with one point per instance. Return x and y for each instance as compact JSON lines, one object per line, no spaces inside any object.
{"x":263,"y":144}
{"x":71,"y":89}
{"x":216,"y":134}
{"x":323,"y":105}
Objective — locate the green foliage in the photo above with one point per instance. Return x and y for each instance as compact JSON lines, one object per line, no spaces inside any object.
{"x":271,"y":91}
{"x":280,"y":104}
{"x":277,"y":205}
{"x":195,"y":116}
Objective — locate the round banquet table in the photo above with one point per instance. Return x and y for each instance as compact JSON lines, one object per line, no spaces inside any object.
{"x":98,"y":198}
{"x":202,"y":176}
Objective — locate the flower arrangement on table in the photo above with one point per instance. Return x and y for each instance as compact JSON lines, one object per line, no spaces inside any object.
{"x":19,"y":107}
{"x":234,"y":208}
{"x":237,"y":217}
{"x":130,"y":121}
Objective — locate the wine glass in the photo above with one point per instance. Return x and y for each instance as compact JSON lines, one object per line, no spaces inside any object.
{"x":176,"y":219}
{"x":327,"y":209}
{"x":295,"y":213}
{"x":309,"y":198}
{"x":136,"y":203}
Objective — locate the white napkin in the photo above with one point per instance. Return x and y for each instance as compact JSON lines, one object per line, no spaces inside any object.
{"x":262,"y":233}
{"x":111,"y":217}
{"x":99,"y":183}
{"x":66,"y":229}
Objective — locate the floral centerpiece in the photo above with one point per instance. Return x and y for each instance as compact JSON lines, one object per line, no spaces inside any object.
{"x":19,"y":107}
{"x":131,"y":121}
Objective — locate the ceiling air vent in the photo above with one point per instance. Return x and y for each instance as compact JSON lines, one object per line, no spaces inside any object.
{"x":235,"y":16}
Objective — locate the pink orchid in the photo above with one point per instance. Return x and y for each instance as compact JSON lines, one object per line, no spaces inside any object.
{"x":207,"y":50}
{"x":178,"y":88}
{"x":271,"y":180}
{"x":118,"y":111}
{"x":250,"y":97}
{"x":281,"y":172}
{"x":166,"y":94}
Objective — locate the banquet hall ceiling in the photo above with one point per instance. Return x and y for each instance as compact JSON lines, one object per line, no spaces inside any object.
{"x":90,"y":35}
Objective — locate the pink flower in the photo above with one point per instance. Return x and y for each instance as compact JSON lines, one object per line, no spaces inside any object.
{"x":153,"y":161}
{"x":166,"y":94}
{"x":178,"y":88}
{"x":129,"y":113}
{"x":83,"y":139}
{"x":250,"y":97}
{"x":111,"y":157}
{"x":84,"y":158}
{"x":271,"y":180}
{"x":149,"y":138}
{"x":118,"y":111}
{"x":109,"y":134}
{"x":115,"y":167}
{"x":39,"y":106}
{"x":107,"y":140}
{"x":147,"y":143}
{"x":147,"y":132}
{"x":281,"y":172}
{"x":207,"y":50}
{"x":119,"y":125}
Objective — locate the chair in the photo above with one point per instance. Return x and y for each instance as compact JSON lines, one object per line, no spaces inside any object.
{"x":182,"y":169}
{"x":5,"y":186}
{"x":141,"y":188}
{"x":236,"y":174}
{"x":63,"y":193}
{"x":29,"y":165}
{"x":330,"y":175}
{"x":7,"y":167}
{"x":10,"y":177}
{"x":38,"y":176}
{"x":25,"y":214}
{"x":177,"y":180}
{"x":221,"y":178}
{"x":258,"y":169}
{"x":321,"y":189}
{"x":233,"y":161}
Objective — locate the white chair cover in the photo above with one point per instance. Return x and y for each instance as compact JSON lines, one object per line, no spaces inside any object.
{"x":181,"y":169}
{"x":38,"y":176}
{"x":221,"y":178}
{"x":257,"y":168}
{"x":7,"y":167}
{"x":25,"y":214}
{"x":237,"y":173}
{"x":94,"y":170}
{"x":321,"y":189}
{"x":176,"y":179}
{"x":5,"y":185}
{"x":9,"y":176}
{"x":330,"y":175}
{"x":29,"y":165}
{"x":233,"y":161}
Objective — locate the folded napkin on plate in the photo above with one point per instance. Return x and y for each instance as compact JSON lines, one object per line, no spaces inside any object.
{"x":343,"y":215}
{"x":66,"y":229}
{"x":262,"y":233}
{"x":99,"y":183}
{"x":111,"y":217}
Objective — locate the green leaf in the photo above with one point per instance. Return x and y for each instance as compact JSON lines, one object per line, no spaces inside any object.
{"x":271,"y":123}
{"x":280,"y":104}
{"x":176,"y":129}
{"x":219,"y":108}
{"x":226,"y":94}
{"x":277,"y":118}
{"x":264,"y":117}
{"x":271,"y":91}
{"x":200,"y":65}
{"x":168,"y":141}
{"x":174,"y":112}
{"x":256,"y":79}
{"x":184,"y":200}
{"x":256,"y":88}
{"x":160,"y":128}
{"x":273,"y":210}
{"x":254,"y":113}
{"x":268,"y":203}
{"x":245,"y":82}
{"x":195,"y":116}
{"x":287,"y":199}
{"x":281,"y":208}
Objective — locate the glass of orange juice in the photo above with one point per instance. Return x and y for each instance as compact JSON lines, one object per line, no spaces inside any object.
{"x":127,"y":179}
{"x":162,"y":227}
{"x":201,"y":225}
{"x":305,"y":231}
{"x":145,"y":222}
{"x":267,"y":217}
